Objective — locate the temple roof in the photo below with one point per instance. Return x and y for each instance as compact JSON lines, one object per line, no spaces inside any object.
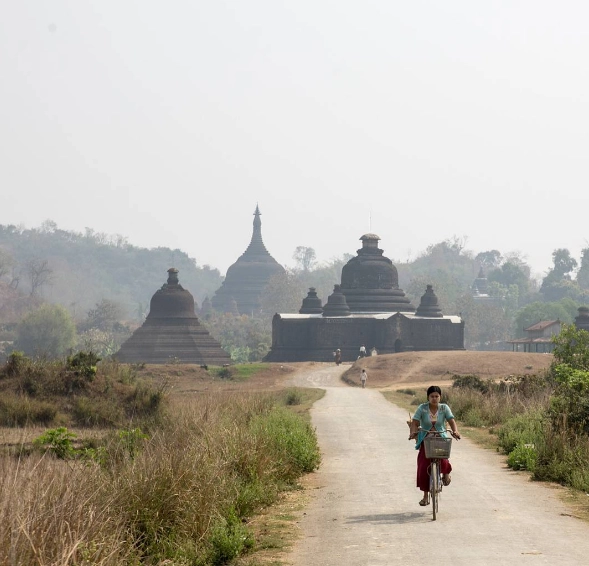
{"x":370,"y":281}
{"x":172,"y":331}
{"x":247,"y":278}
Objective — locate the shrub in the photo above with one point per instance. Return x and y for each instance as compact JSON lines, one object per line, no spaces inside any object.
{"x":293,"y":397}
{"x":526,"y":428}
{"x":229,"y":538}
{"x":15,"y":364}
{"x":20,"y":410}
{"x":470,"y":382}
{"x":523,"y":457}
{"x":49,"y":330}
{"x":58,"y":441}
{"x":291,"y":440}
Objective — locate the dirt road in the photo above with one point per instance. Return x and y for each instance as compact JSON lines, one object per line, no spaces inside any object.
{"x":365,"y":512}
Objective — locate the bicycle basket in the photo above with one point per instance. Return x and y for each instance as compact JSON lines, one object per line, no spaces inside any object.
{"x":437,"y":447}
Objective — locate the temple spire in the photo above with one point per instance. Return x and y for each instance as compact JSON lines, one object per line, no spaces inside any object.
{"x":257,"y":244}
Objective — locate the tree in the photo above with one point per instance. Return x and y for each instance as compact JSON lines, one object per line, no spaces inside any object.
{"x":563,"y":262}
{"x":49,"y":331}
{"x":104,"y":316}
{"x":487,"y":324}
{"x":489,"y":259}
{"x":6,"y":263}
{"x":284,"y":293}
{"x":556,"y":284}
{"x":564,"y":311}
{"x":571,"y":347}
{"x":583,"y":273}
{"x":39,"y":274}
{"x":305,"y":258}
{"x":510,"y":273}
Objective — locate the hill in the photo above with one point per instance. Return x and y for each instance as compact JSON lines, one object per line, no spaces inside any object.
{"x":432,"y":368}
{"x":82,"y":269}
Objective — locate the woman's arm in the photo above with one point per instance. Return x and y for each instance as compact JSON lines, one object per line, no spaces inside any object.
{"x":454,"y":428}
{"x":413,"y":428}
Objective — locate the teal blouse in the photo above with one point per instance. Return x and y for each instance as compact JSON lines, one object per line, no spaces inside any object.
{"x":422,"y":415}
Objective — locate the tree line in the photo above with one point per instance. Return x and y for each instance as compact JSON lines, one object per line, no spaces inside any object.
{"x":102,"y":285}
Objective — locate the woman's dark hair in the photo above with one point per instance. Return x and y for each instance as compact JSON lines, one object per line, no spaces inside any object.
{"x":433,"y":389}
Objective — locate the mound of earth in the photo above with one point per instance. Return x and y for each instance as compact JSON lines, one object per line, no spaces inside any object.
{"x":395,"y":371}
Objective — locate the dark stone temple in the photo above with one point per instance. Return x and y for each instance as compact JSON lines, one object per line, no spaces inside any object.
{"x":367,"y":308}
{"x":582,"y":319}
{"x":247,"y":278}
{"x":172,"y":331}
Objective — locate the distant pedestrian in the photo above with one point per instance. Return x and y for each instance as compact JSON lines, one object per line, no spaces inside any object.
{"x":363,"y":378}
{"x":338,"y":357}
{"x":362,"y":351}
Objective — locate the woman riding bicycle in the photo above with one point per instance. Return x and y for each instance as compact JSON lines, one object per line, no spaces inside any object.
{"x":431,"y":416}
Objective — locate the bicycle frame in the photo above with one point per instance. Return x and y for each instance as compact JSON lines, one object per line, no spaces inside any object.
{"x":435,"y":474}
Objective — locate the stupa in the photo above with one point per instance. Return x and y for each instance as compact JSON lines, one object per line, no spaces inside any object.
{"x":367,"y":308}
{"x":247,"y":278}
{"x":172,"y":332}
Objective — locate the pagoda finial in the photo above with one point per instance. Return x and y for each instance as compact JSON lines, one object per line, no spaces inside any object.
{"x":257,"y":222}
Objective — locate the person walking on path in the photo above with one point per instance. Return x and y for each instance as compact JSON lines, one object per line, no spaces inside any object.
{"x":338,"y":357}
{"x":362,"y":351}
{"x":431,"y":416}
{"x":363,"y":378}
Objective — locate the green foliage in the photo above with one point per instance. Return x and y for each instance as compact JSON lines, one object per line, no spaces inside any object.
{"x":291,"y":440}
{"x":47,"y":331}
{"x":225,"y":373}
{"x":470,"y":382}
{"x":15,"y":364}
{"x":537,"y":311}
{"x":564,"y":458}
{"x":569,"y":409}
{"x":83,"y":365}
{"x":571,"y":347}
{"x":58,"y":441}
{"x":229,"y":538}
{"x":293,"y":397}
{"x":523,"y":457}
{"x":522,"y":429}
{"x":246,"y":338}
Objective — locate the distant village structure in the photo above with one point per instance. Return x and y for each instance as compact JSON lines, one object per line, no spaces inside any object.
{"x":369,"y":308}
{"x":172,"y":332}
{"x":246,"y":279}
{"x":539,"y":335}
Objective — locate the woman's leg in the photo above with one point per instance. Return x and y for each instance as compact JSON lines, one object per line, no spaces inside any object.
{"x":446,"y":468}
{"x":422,"y":470}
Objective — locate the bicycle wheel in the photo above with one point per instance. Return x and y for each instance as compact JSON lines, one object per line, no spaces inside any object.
{"x":434,"y":482}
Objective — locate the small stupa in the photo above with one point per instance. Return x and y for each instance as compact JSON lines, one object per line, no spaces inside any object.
{"x":172,"y":332}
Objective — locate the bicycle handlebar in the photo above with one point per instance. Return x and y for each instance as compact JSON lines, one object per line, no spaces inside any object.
{"x":437,"y":433}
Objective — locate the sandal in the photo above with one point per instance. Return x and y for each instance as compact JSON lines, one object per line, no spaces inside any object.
{"x":424,"y":501}
{"x":446,"y":479}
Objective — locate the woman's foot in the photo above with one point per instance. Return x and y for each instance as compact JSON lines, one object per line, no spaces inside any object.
{"x":425,"y":500}
{"x":446,"y":479}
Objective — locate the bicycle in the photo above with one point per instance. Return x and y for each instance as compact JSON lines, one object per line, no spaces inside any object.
{"x":436,"y":448}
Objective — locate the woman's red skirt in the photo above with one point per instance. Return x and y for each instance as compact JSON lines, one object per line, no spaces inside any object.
{"x":423,"y":469}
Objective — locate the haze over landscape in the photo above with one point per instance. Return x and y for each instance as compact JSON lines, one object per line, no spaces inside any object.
{"x":419,"y":121}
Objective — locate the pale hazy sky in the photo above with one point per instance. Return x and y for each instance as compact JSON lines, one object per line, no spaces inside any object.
{"x":167,"y":122}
